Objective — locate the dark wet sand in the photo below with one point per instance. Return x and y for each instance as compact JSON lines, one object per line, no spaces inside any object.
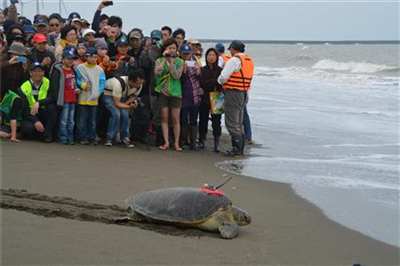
{"x":286,"y":229}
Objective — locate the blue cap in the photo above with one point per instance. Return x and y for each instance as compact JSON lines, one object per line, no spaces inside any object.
{"x":220,"y":47}
{"x":29,"y":29}
{"x":122,"y":41}
{"x":69,"y":53}
{"x":91,"y":51}
{"x":74,"y":16}
{"x":156,"y":34}
{"x":35,"y":65}
{"x":185,"y":49}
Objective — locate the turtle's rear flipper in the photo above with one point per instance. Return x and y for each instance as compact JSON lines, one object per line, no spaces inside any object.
{"x":228,"y":230}
{"x":121,"y":220}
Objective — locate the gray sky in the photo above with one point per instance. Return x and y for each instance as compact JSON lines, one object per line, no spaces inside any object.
{"x":255,"y":20}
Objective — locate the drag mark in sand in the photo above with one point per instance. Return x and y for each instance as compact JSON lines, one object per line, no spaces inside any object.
{"x":68,"y":208}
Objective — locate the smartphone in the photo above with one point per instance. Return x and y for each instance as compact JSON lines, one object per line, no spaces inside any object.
{"x":190,"y":63}
{"x":108,"y":3}
{"x":22,"y":59}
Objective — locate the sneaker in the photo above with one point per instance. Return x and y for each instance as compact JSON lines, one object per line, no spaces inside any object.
{"x":72,"y":143}
{"x":127,"y":143}
{"x":118,"y":138}
{"x":108,"y":143}
{"x":84,"y":142}
{"x":63,"y":142}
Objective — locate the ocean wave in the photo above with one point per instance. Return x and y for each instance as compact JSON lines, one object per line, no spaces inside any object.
{"x":309,"y":74}
{"x":353,"y":67}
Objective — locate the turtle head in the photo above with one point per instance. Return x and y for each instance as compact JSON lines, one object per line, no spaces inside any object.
{"x":240,"y":216}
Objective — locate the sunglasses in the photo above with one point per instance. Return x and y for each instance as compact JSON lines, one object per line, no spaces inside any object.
{"x":54,"y":25}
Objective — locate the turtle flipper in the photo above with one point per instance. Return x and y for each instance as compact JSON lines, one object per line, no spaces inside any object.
{"x":228,"y":230}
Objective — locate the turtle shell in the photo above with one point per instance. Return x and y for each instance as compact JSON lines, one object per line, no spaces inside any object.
{"x":180,"y":204}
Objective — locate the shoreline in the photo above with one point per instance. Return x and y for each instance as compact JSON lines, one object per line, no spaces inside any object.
{"x":287,"y":229}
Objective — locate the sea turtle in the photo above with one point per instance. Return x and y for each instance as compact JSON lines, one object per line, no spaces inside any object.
{"x":205,"y":208}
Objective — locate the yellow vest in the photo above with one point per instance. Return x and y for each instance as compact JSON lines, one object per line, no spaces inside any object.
{"x":43,"y":90}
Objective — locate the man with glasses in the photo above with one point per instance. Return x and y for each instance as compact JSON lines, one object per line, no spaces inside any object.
{"x":42,"y":26}
{"x":40,"y":53}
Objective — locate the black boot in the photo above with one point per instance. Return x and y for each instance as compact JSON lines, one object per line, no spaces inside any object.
{"x":236,"y":148}
{"x":159,"y":136}
{"x":182,"y":138}
{"x":216,"y":143}
{"x":202,"y":140}
{"x":193,"y":136}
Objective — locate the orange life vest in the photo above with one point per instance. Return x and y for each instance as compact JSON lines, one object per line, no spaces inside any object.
{"x":225,"y":57}
{"x":241,"y":80}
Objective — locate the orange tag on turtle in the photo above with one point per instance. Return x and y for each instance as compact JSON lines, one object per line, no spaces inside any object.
{"x":214,"y":192}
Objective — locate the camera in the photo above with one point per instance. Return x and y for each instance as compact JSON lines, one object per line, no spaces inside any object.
{"x":13,"y":2}
{"x":139,"y":102}
{"x":171,"y":55}
{"x":126,"y":59}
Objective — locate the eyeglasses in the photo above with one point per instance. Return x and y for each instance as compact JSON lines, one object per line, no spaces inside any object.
{"x":54,"y":25}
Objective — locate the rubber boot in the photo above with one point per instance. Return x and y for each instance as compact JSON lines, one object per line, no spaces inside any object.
{"x":236,"y":148}
{"x":216,"y":144}
{"x":182,"y":138}
{"x":202,"y":140}
{"x":193,"y":136}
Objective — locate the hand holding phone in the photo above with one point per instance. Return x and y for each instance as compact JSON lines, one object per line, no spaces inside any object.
{"x":108,"y":3}
{"x":21,"y":59}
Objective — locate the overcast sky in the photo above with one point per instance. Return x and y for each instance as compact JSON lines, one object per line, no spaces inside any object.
{"x":248,"y":20}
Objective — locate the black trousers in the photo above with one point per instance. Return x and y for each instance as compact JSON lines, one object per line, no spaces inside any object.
{"x":49,"y":118}
{"x":204,"y":111}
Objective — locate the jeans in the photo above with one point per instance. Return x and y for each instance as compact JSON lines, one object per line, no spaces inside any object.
{"x":67,"y":122}
{"x":247,"y":124}
{"x":86,"y":123}
{"x":119,"y":119}
{"x":189,"y":116}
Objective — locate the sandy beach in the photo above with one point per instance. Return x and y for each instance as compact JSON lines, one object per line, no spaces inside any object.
{"x":286,"y":229}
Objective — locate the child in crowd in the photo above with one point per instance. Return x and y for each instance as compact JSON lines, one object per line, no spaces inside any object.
{"x":103,"y":60}
{"x":81,"y":51}
{"x":64,"y":76}
{"x":91,"y":79}
{"x":124,"y":61}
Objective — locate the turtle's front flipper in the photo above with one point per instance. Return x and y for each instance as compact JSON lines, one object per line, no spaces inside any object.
{"x":228,"y":230}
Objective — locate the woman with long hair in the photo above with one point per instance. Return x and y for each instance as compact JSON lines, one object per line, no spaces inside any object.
{"x":168,"y":71}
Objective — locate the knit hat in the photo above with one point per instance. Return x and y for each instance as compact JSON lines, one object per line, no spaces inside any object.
{"x":101,"y":43}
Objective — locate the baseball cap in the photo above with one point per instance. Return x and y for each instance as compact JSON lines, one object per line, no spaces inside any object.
{"x":36,"y":65}
{"x":18,"y":37}
{"x":193,"y":41}
{"x":84,"y":21}
{"x":91,"y":51}
{"x":156,"y":34}
{"x":74,"y":16}
{"x":135,"y":35}
{"x":185,"y":49}
{"x":87,"y":31}
{"x":220,"y":47}
{"x":39,"y":38}
{"x":41,"y":22}
{"x":237,"y":45}
{"x":69,"y":53}
{"x":29,"y":29}
{"x":122,"y":41}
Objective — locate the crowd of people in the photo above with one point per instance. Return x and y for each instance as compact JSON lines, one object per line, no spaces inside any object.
{"x":74,"y":81}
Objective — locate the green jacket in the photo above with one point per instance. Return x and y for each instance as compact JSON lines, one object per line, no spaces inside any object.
{"x":174,"y":85}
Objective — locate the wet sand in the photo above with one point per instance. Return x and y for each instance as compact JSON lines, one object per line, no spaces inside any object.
{"x":286,"y":229}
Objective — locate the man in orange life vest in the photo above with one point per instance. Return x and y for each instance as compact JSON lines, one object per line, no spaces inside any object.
{"x":236,"y":78}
